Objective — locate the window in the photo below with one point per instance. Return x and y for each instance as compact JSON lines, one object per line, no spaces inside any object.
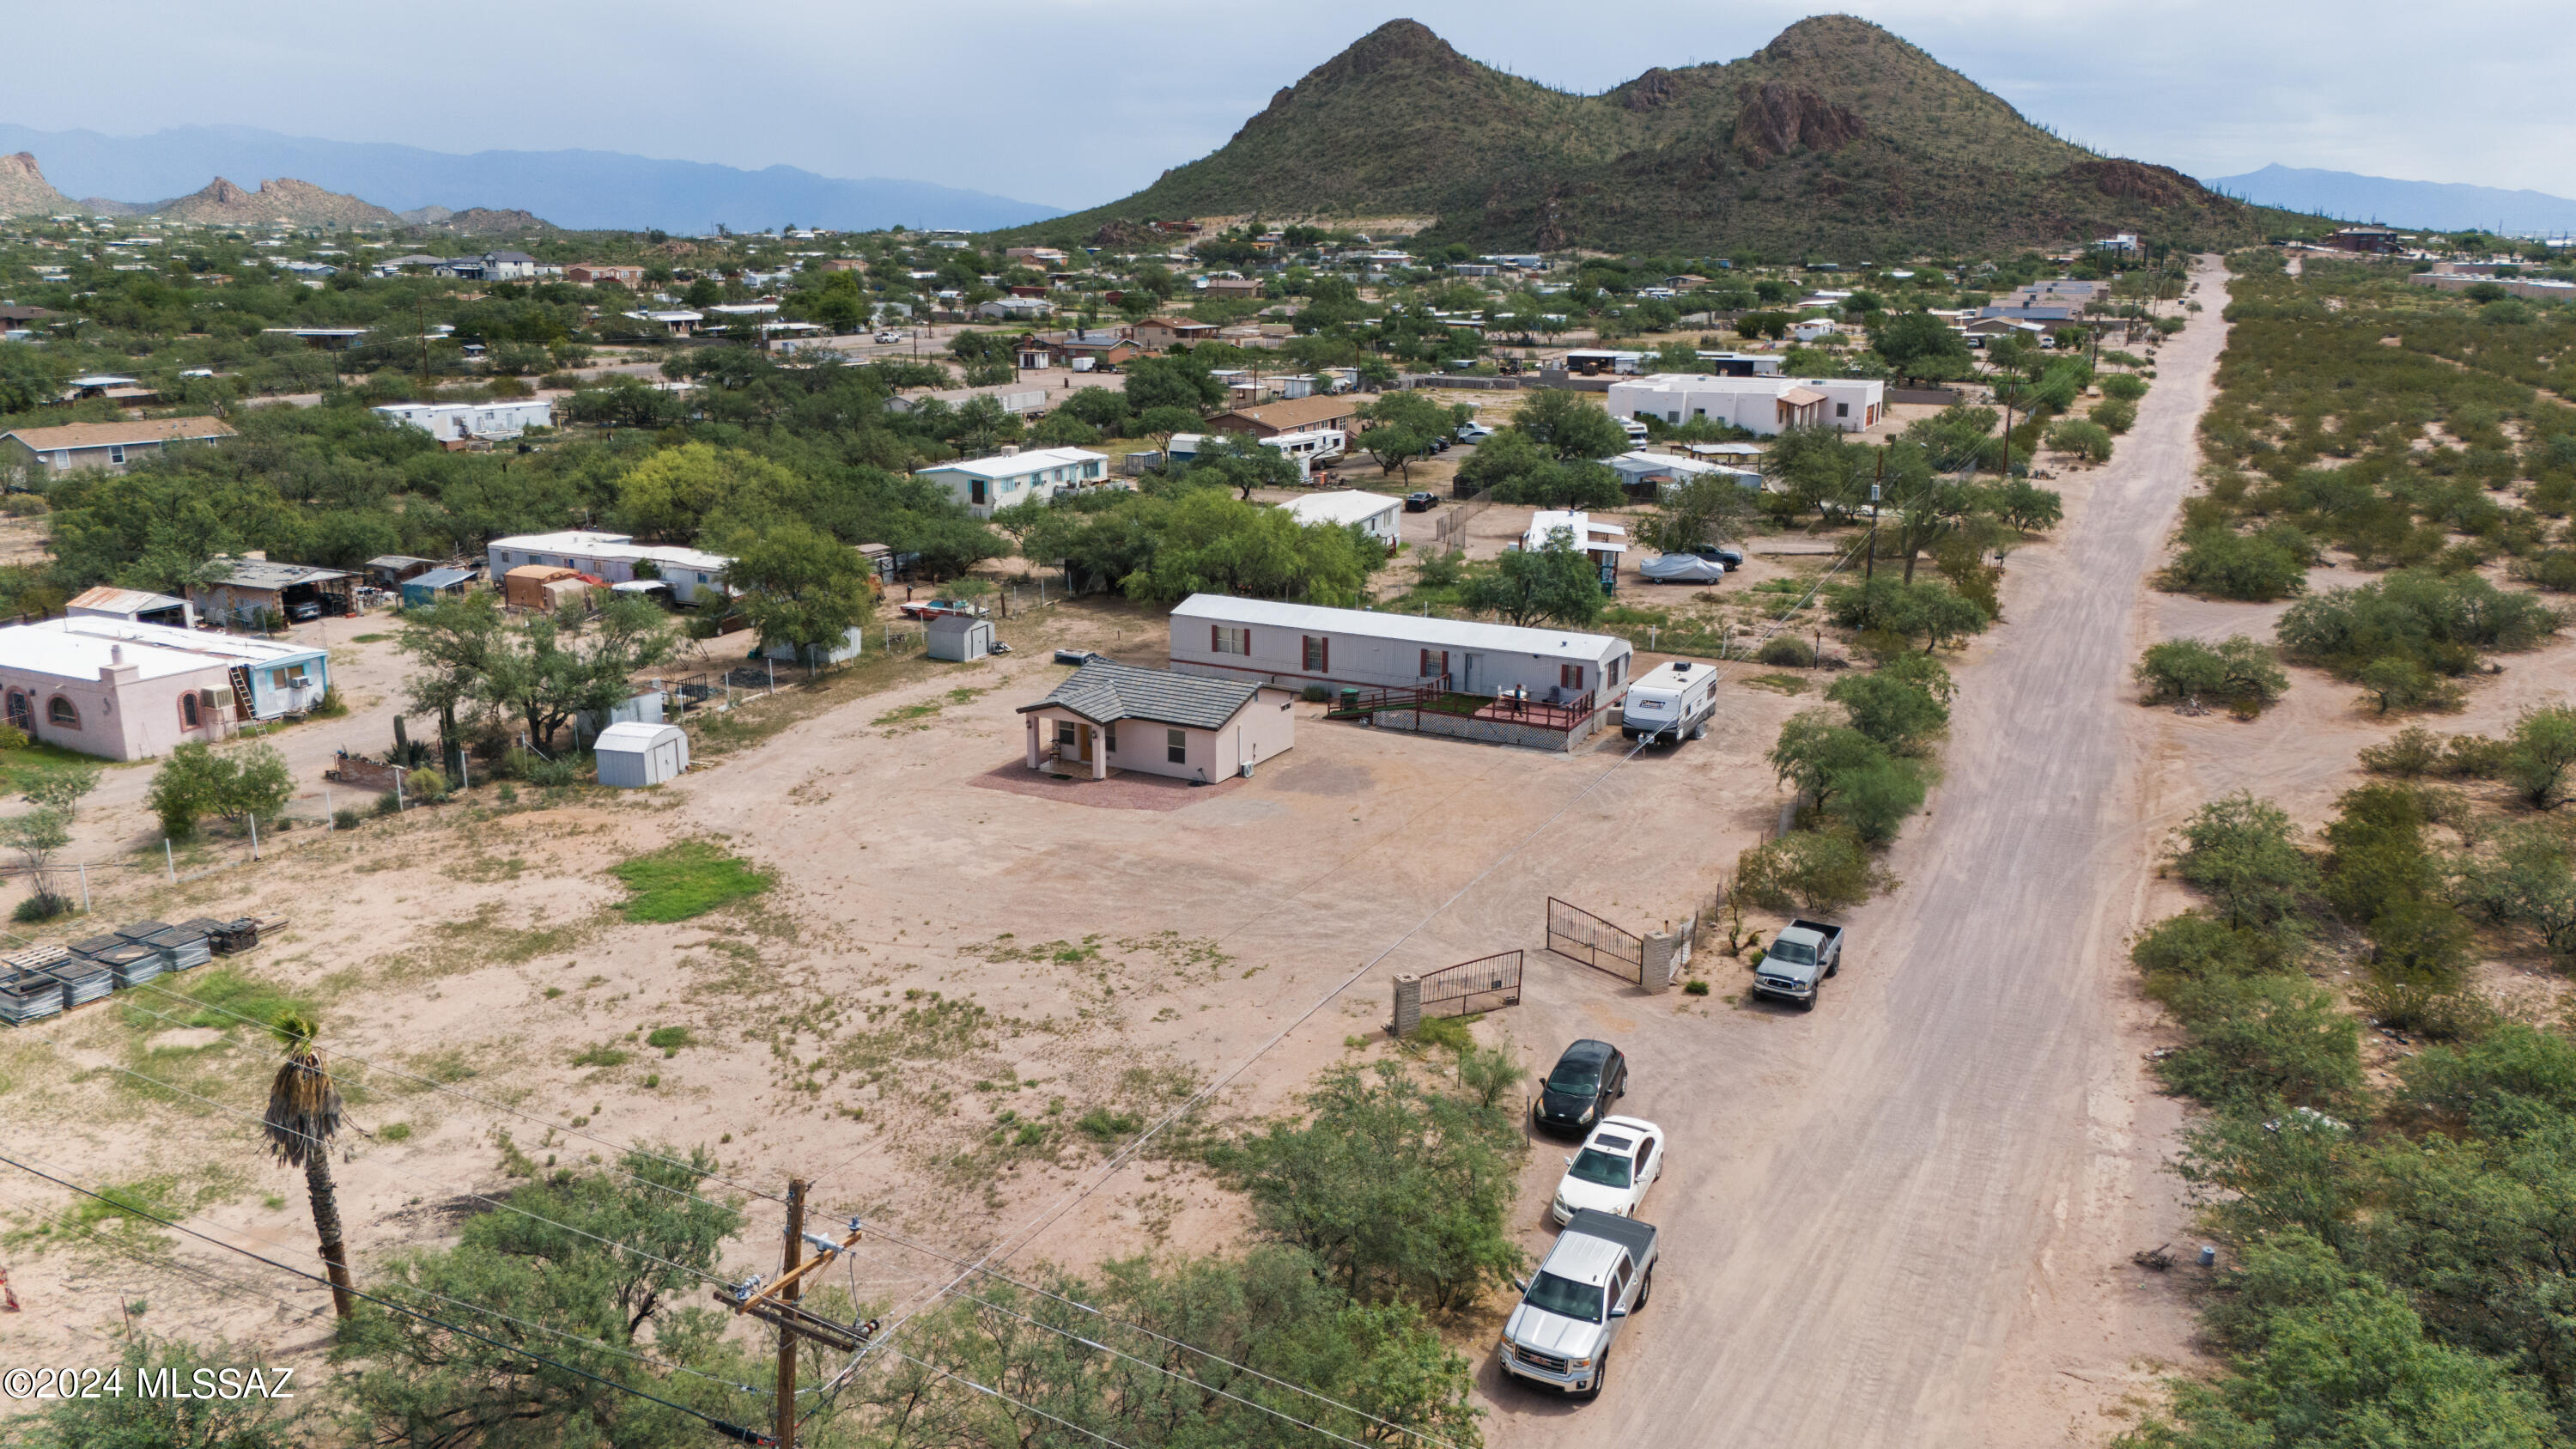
{"x":1570,"y":675}
{"x":1226,"y":640}
{"x":1319,"y":654}
{"x":116,"y":453}
{"x":188,"y":716}
{"x":61,"y":711}
{"x":1109,"y":737}
{"x":1064,"y":738}
{"x":1435,"y":662}
{"x":975,"y":492}
{"x":1176,"y":746}
{"x":286,"y":678}
{"x":1842,"y":410}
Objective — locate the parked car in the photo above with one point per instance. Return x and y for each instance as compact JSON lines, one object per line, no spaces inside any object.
{"x":1420,"y":502}
{"x":933,"y":608}
{"x":1580,"y":1088}
{"x":1619,"y":1161}
{"x":1681,"y":568}
{"x":1601,"y":1270}
{"x":1800,"y":957}
{"x":1474,"y":432}
{"x":1732,"y":558}
{"x":303,"y":613}
{"x":889,"y":337}
{"x":1440,"y":445}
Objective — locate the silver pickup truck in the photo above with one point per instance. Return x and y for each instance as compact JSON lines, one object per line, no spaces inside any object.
{"x":1799,"y":959}
{"x":1601,"y":1270}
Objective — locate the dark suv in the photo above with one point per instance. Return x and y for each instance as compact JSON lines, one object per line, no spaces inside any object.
{"x":1578,"y":1092}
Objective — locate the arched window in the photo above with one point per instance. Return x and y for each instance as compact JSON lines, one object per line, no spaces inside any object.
{"x":63,"y":712}
{"x":188,"y":708}
{"x":21,"y":713}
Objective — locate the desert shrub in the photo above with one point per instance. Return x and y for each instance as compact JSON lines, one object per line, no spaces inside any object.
{"x":2409,"y":754}
{"x":1806,"y":870}
{"x":2234,"y":669}
{"x":2115,"y":414}
{"x":2257,"y":568}
{"x":2125,"y":386}
{"x":344,"y":819}
{"x":2243,"y":853}
{"x":1315,"y":694}
{"x":2089,"y":441}
{"x":2261,"y":1038}
{"x":428,"y":785}
{"x":2552,"y":569}
{"x":2539,"y":755}
{"x":1890,"y":708}
{"x":2179,"y":950}
{"x":1786,"y":651}
{"x":2436,"y":622}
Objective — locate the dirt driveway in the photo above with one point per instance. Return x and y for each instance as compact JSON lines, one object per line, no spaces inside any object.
{"x":1904,"y":1218}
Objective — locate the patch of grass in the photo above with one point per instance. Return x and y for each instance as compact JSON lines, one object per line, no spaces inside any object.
{"x":221,"y":997}
{"x":686,"y":880}
{"x":906,"y":714}
{"x":602,"y":1056}
{"x":370,"y":638}
{"x":1104,"y":1125}
{"x":395,"y":1132}
{"x":668,"y":1039}
{"x":1695,"y":988}
{"x":1784,"y":683}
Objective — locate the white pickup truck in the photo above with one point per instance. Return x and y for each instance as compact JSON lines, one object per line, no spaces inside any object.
{"x":1601,"y":1270}
{"x":1669,"y":703}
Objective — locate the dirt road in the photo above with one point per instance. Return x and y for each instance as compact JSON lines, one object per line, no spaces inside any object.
{"x":1865,"y":1200}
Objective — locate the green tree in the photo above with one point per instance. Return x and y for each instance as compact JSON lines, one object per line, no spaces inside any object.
{"x":1707,"y":508}
{"x":37,"y":836}
{"x":1920,"y":345}
{"x":2236,"y":668}
{"x":1401,"y":426}
{"x":131,"y":1420}
{"x":247,"y":783}
{"x":1230,"y":460}
{"x":1399,"y":1192}
{"x":452,"y":644}
{"x":1173,"y":381}
{"x":1556,"y":582}
{"x":672,"y":494}
{"x":1889,"y":709}
{"x":801,"y":589}
{"x":2540,"y":753}
{"x":609,"y":1263}
{"x":552,"y":671}
{"x":303,"y":1117}
{"x":1570,"y":425}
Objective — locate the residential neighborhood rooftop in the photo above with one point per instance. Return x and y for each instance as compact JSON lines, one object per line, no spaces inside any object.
{"x":78,"y":647}
{"x":1104,"y":693}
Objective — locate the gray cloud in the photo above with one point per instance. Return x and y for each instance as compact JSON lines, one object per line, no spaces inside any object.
{"x":1074,"y":102}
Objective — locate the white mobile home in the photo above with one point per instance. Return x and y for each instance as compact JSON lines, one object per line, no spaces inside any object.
{"x":1372,"y":513}
{"x":984,"y":484}
{"x":1760,"y":405}
{"x":1313,"y":446}
{"x":616,"y":557}
{"x":450,"y":421}
{"x":1294,"y":645}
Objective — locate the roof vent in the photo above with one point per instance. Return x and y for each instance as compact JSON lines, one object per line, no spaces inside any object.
{"x":116,"y":654}
{"x":1009,"y":450}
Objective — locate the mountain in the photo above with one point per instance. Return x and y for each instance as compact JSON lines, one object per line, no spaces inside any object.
{"x":221,"y":203}
{"x":24,"y":191}
{"x":2446,"y":205}
{"x":579,"y":189}
{"x":1835,"y":140}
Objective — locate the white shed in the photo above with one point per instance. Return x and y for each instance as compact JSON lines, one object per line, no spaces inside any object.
{"x":958,"y":638}
{"x":634,"y":755}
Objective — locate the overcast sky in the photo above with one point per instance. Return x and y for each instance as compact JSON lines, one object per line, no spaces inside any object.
{"x":1076,"y":102}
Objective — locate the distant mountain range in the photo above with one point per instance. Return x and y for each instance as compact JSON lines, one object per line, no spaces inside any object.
{"x":2442,"y":205}
{"x":1836,"y":140}
{"x":576,"y":189}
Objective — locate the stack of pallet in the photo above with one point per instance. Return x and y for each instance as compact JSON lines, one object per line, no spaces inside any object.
{"x":83,"y":979}
{"x":27,"y":992}
{"x":131,"y":962}
{"x":180,"y":947}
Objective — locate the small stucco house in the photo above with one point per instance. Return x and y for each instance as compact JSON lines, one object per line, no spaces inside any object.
{"x":130,"y":691}
{"x":1154,"y":722}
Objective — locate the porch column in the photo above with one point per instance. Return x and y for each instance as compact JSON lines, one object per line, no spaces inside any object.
{"x":1033,"y":741}
{"x":1099,"y":752}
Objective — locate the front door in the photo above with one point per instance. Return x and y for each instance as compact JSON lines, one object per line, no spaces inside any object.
{"x":1471,"y":673}
{"x":1082,"y":735}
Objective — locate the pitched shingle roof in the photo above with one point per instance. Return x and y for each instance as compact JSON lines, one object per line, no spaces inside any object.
{"x":1105,"y":693}
{"x":131,"y":434}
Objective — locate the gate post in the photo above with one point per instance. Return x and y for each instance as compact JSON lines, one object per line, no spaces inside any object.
{"x":1666,"y":952}
{"x":1408,"y":1005}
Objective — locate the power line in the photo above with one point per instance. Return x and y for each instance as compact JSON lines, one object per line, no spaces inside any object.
{"x":731,"y":1431}
{"x":1006,"y":1398}
{"x":321,"y":1144}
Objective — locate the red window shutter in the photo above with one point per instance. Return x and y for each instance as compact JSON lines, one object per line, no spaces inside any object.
{"x":1327,"y":646}
{"x":1216,"y":641}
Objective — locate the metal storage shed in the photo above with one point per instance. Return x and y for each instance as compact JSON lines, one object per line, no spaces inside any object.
{"x":421,"y":590}
{"x":634,"y":755}
{"x":958,"y":638}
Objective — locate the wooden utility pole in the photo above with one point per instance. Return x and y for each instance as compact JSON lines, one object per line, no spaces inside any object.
{"x":788,"y":1292}
{"x":776,"y":1304}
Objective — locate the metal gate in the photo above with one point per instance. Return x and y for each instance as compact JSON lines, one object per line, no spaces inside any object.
{"x":1579,"y":934}
{"x":1472,"y":986}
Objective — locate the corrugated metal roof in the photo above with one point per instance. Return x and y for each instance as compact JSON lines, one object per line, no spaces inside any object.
{"x":122,"y":601}
{"x":1105,"y":693}
{"x":130,"y":434}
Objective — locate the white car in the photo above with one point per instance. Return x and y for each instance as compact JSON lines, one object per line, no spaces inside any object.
{"x":889,"y":337}
{"x":1474,"y":433}
{"x":1619,"y":1161}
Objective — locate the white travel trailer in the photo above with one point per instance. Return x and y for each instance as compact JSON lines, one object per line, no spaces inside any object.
{"x":1670,"y":703}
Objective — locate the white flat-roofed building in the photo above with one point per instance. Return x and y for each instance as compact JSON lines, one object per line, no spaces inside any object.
{"x":124,"y":690}
{"x":1293,"y":645}
{"x":984,"y":484}
{"x":1760,"y":405}
{"x":610,"y":556}
{"x":1375,"y":514}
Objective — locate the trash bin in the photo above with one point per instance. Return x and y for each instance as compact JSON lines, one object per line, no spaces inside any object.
{"x":1350,"y":697}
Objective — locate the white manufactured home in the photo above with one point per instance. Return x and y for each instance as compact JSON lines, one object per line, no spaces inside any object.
{"x":1294,"y":645}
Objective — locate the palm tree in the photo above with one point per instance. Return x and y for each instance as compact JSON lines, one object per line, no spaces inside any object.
{"x":303,"y":1117}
